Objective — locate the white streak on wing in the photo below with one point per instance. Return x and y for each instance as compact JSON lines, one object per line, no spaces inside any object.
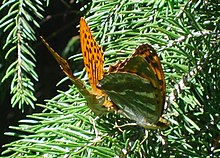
{"x":142,"y":94}
{"x":149,"y":95}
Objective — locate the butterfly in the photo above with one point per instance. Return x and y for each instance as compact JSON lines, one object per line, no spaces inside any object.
{"x":134,"y":87}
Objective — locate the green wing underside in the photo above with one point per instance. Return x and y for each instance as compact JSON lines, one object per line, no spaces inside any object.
{"x":135,"y":89}
{"x":136,"y":96}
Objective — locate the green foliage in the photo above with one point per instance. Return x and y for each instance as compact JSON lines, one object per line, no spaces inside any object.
{"x":18,"y":20}
{"x":186,"y":37}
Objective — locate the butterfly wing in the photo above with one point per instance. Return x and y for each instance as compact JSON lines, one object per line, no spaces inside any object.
{"x":93,"y":56}
{"x":148,"y":52}
{"x":67,"y":70}
{"x":135,"y":86}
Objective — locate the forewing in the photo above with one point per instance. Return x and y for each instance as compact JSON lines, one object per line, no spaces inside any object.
{"x":61,"y":61}
{"x":66,"y":69}
{"x":93,"y":56}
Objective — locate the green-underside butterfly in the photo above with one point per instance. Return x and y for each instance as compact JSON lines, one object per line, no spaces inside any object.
{"x":134,"y":87}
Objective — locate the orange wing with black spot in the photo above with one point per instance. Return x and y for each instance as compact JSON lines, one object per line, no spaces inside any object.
{"x":93,"y":56}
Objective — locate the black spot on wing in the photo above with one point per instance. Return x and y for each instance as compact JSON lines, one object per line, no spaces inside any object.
{"x":85,"y":54}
